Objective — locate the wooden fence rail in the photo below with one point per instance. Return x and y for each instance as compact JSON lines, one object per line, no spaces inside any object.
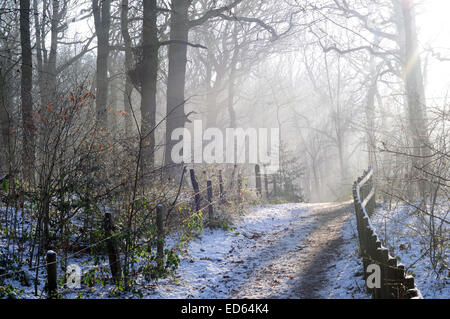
{"x":395,"y":283}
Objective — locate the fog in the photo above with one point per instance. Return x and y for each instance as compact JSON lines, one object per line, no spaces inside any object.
{"x":329,"y":74}
{"x":123,"y":122}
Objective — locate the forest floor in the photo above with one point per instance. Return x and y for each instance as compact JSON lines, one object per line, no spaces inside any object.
{"x":294,"y":251}
{"x":279,"y":251}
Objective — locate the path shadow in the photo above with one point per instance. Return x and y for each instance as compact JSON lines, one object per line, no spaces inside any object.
{"x":313,"y":278}
{"x":326,"y":216}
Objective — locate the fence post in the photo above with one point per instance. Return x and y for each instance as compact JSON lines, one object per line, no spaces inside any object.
{"x":401,"y":280}
{"x":365,"y":245}
{"x":220,"y":186}
{"x":113,"y":255}
{"x":384,"y":259}
{"x":392,"y":278}
{"x":51,"y":274}
{"x":372,"y":254}
{"x":196,"y":189}
{"x":258,"y":180}
{"x":411,"y":292}
{"x":210,"y":194}
{"x":160,"y":236}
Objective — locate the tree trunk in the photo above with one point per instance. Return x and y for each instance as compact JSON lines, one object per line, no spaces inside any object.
{"x":128,"y":66}
{"x":414,"y":87}
{"x":148,"y":86}
{"x":114,"y":88}
{"x":370,"y":114}
{"x":28,"y":155}
{"x":102,"y":19}
{"x":4,"y":126}
{"x":231,"y":84}
{"x":211,"y":112}
{"x":47,"y":77}
{"x":179,"y":31}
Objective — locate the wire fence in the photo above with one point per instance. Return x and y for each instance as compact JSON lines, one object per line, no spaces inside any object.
{"x":236,"y":195}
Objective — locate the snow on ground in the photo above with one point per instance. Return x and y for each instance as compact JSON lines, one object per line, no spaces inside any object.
{"x":346,"y":279}
{"x":267,"y":254}
{"x":221,"y":264}
{"x":264,"y":258}
{"x":406,"y":235}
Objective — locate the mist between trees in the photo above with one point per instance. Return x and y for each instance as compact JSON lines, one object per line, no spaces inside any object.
{"x":92,"y":91}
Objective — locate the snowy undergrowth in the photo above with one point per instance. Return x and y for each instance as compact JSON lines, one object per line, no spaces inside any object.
{"x":214,"y":264}
{"x":406,"y":234}
{"x":258,"y":257}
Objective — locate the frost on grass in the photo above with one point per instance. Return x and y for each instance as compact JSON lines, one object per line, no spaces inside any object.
{"x":406,"y":232}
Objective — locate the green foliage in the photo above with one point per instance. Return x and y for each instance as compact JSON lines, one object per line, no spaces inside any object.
{"x":10,"y":292}
{"x":119,"y":288}
{"x":5,"y":186}
{"x":193,"y":226}
{"x":221,"y":224}
{"x":93,"y":277}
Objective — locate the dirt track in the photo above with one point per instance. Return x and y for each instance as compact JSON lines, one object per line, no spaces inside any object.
{"x":295,"y":271}
{"x":278,"y":251}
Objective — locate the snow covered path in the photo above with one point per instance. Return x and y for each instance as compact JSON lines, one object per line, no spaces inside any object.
{"x":282,"y":251}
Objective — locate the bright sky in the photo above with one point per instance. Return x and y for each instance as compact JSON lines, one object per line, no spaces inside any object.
{"x":434,"y":31}
{"x":433,"y":23}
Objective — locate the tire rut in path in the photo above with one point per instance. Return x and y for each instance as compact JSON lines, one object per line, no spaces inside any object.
{"x":324,"y":243}
{"x":301,"y":272}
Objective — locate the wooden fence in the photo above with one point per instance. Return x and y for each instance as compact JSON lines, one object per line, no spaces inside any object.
{"x":196,"y":198}
{"x":395,"y":284}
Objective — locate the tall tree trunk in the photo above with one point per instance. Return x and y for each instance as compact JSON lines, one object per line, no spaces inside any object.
{"x":28,"y":156}
{"x":415,"y":91}
{"x":39,"y":44}
{"x":50,"y":85}
{"x":114,"y":88}
{"x":179,"y":31}
{"x":128,"y":66}
{"x":102,"y":19}
{"x":213,"y":109}
{"x":232,"y":80}
{"x":210,"y":99}
{"x":148,"y":85}
{"x":337,"y":118}
{"x":179,"y":35}
{"x":47,"y":76}
{"x":5,"y":124}
{"x":370,"y":113}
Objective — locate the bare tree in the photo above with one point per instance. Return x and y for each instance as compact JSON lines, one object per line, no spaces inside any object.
{"x":28,"y":155}
{"x":128,"y":66}
{"x":150,"y":46}
{"x":102,"y":18}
